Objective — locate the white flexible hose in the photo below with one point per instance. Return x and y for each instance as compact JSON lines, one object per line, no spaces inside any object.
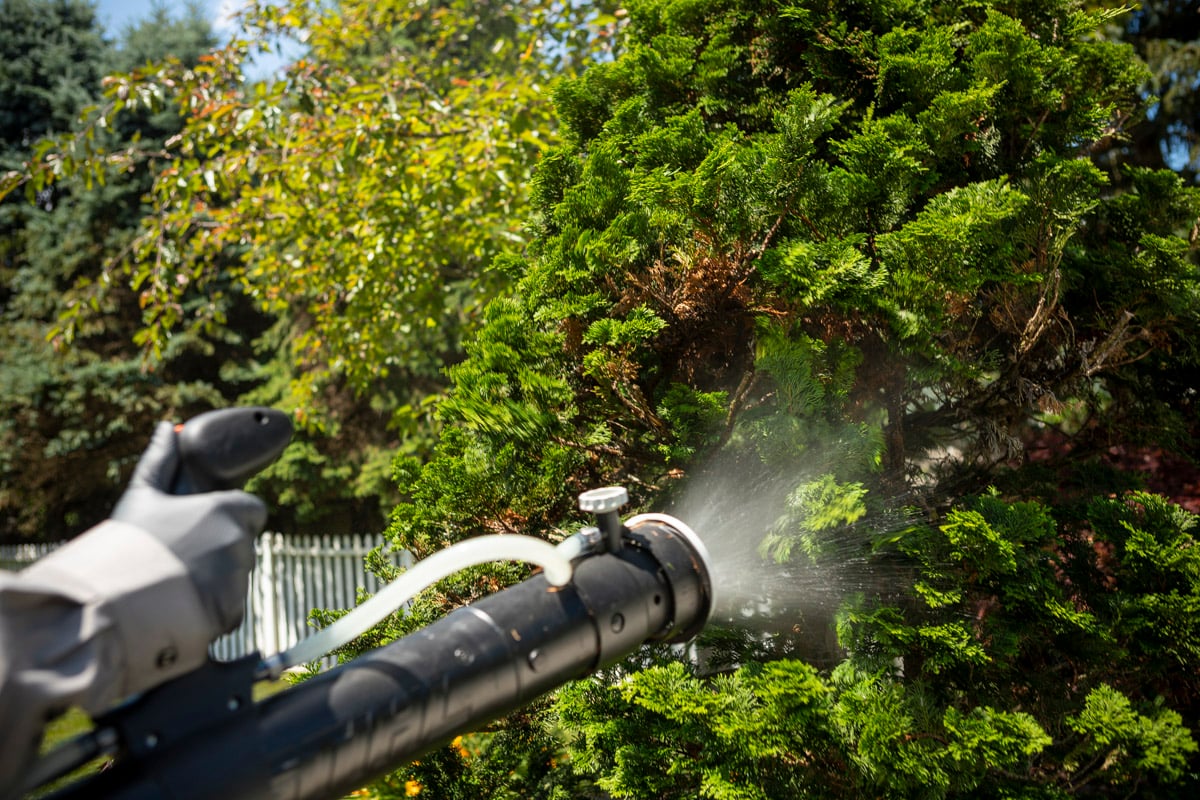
{"x":555,"y":561}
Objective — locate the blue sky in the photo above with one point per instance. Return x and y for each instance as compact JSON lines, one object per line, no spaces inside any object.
{"x":116,"y":14}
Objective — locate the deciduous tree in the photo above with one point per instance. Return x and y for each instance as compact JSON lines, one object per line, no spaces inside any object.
{"x":355,"y":201}
{"x":72,"y":422}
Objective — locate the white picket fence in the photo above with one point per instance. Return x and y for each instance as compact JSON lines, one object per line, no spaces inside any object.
{"x":292,"y":576}
{"x":15,"y":556}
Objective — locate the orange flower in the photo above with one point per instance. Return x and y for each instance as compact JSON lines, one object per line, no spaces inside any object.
{"x":457,"y":744}
{"x":412,"y":788}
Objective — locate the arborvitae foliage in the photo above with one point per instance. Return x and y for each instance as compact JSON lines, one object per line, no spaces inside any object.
{"x":904,"y":181}
{"x":880,"y":215}
{"x":859,"y":249}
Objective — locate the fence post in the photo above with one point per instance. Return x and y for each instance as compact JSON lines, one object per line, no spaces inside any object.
{"x":266,"y":625}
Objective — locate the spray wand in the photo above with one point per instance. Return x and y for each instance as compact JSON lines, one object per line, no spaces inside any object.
{"x":602,"y":594}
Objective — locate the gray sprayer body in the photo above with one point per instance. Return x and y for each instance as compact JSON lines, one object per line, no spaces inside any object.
{"x":201,"y":737}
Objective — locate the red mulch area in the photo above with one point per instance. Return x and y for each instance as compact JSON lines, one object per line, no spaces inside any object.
{"x":1165,"y":473}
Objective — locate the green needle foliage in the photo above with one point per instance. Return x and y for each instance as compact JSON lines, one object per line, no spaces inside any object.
{"x":897,"y":200}
{"x":860,"y":250}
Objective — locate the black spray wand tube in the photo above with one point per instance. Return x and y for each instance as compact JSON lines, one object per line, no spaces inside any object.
{"x":340,"y":730}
